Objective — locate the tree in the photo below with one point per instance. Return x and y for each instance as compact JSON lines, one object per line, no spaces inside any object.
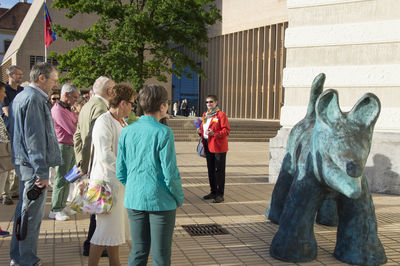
{"x":134,"y":40}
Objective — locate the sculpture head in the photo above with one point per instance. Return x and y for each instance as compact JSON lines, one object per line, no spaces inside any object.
{"x":340,"y":142}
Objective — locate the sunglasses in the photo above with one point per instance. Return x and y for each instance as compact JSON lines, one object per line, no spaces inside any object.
{"x":209,"y":102}
{"x":55,"y":99}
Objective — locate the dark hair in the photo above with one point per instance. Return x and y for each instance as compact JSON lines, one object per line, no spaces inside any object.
{"x":214,"y":97}
{"x":2,"y":84}
{"x":121,"y":92}
{"x":151,"y":97}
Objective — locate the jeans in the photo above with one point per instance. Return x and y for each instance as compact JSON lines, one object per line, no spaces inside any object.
{"x":61,"y":185}
{"x":151,"y":230}
{"x":25,"y":252}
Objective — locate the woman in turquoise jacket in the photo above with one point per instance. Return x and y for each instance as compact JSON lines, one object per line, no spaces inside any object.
{"x":146,"y":166}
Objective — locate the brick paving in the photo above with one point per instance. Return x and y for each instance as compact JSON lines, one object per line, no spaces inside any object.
{"x":242,"y":214}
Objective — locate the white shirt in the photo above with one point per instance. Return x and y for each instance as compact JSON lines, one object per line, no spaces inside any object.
{"x":205,"y":127}
{"x":105,"y":139}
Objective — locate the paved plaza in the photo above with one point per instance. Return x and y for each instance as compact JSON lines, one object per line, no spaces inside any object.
{"x":249,"y":233}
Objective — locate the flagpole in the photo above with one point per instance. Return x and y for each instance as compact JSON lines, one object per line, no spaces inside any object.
{"x":44,"y":35}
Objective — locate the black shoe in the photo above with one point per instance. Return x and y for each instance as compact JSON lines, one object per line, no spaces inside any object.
{"x":15,"y":197}
{"x":210,"y":196}
{"x":218,"y":199}
{"x":105,"y":253}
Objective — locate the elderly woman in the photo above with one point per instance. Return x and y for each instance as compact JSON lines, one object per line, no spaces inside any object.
{"x":110,"y":228}
{"x":214,"y":132}
{"x":146,"y":165}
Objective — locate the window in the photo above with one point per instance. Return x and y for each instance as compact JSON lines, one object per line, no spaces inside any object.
{"x":7,"y":44}
{"x":36,"y":59}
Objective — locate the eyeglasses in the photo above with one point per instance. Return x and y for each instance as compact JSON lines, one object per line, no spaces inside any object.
{"x":55,"y":99}
{"x":209,"y":102}
{"x":132,"y":103}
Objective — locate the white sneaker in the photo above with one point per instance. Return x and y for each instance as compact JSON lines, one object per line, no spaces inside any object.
{"x":59,"y":216}
{"x":68,"y":211}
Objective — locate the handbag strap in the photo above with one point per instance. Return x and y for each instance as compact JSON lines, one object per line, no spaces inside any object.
{"x":90,"y":160}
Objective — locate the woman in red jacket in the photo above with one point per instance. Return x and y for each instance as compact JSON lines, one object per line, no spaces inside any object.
{"x":214,"y":132}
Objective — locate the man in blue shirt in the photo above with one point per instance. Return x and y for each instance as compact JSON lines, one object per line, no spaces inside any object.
{"x":13,"y":87}
{"x":34,"y":150}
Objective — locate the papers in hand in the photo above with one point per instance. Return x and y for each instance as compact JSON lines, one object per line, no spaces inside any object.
{"x":197,"y":122}
{"x":73,"y":175}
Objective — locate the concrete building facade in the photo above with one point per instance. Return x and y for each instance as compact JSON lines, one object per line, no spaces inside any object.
{"x":246,"y":57}
{"x":356,"y":43}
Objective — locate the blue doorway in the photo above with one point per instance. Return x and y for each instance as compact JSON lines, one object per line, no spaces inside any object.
{"x":186,"y":88}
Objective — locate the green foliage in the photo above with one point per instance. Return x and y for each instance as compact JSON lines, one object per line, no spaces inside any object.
{"x":134,"y":40}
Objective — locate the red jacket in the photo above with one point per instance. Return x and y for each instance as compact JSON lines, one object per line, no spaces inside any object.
{"x":218,"y":143}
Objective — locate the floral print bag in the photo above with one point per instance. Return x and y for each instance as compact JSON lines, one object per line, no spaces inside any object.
{"x":92,"y":197}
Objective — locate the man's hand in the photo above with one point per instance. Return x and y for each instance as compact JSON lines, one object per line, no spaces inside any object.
{"x":42,"y":183}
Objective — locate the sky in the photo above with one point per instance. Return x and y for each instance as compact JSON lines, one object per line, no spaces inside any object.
{"x":10,"y":3}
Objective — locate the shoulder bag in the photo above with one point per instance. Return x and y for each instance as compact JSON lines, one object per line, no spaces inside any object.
{"x":200,"y":149}
{"x":92,"y":197}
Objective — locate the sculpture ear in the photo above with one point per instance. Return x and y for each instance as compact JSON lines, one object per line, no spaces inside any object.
{"x":327,"y":107}
{"x":366,"y":111}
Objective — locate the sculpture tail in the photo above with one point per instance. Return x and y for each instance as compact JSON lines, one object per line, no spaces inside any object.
{"x":316,"y":90}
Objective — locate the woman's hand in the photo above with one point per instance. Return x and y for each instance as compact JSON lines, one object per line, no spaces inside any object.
{"x":210,"y":132}
{"x":199,"y":131}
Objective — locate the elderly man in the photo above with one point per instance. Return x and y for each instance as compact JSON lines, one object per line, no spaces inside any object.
{"x":65,"y":120}
{"x":96,"y":106}
{"x":14,"y":74}
{"x":35,"y":149}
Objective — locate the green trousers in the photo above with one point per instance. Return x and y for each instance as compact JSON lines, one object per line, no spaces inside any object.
{"x":61,"y":185}
{"x":151,"y":230}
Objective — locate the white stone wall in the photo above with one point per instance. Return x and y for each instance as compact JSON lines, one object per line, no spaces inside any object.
{"x":239,"y":15}
{"x":356,"y":43}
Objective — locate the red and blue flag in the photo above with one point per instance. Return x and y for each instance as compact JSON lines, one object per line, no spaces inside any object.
{"x":49,"y":34}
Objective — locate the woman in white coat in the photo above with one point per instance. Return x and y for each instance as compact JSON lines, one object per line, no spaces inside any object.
{"x":110,"y":228}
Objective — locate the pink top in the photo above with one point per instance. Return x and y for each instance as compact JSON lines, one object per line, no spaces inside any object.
{"x":65,"y":121}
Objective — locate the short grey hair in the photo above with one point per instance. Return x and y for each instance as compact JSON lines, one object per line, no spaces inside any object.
{"x":151,"y":97}
{"x":68,"y":87}
{"x":11,"y":69}
{"x":42,"y":68}
{"x":100,"y":85}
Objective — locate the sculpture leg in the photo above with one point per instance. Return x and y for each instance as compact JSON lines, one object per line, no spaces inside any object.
{"x":327,"y":214}
{"x":295,"y":239}
{"x":281,"y":190}
{"x":357,"y":236}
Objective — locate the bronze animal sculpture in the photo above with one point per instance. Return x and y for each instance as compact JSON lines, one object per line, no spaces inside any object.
{"x":323,"y":169}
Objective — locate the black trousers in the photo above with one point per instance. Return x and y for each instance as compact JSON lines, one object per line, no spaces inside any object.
{"x":92,"y":228}
{"x":216,"y":163}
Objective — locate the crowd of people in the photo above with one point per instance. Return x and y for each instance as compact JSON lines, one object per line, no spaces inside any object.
{"x":49,"y":130}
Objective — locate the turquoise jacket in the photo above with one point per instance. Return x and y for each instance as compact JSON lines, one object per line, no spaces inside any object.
{"x":146,"y":166}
